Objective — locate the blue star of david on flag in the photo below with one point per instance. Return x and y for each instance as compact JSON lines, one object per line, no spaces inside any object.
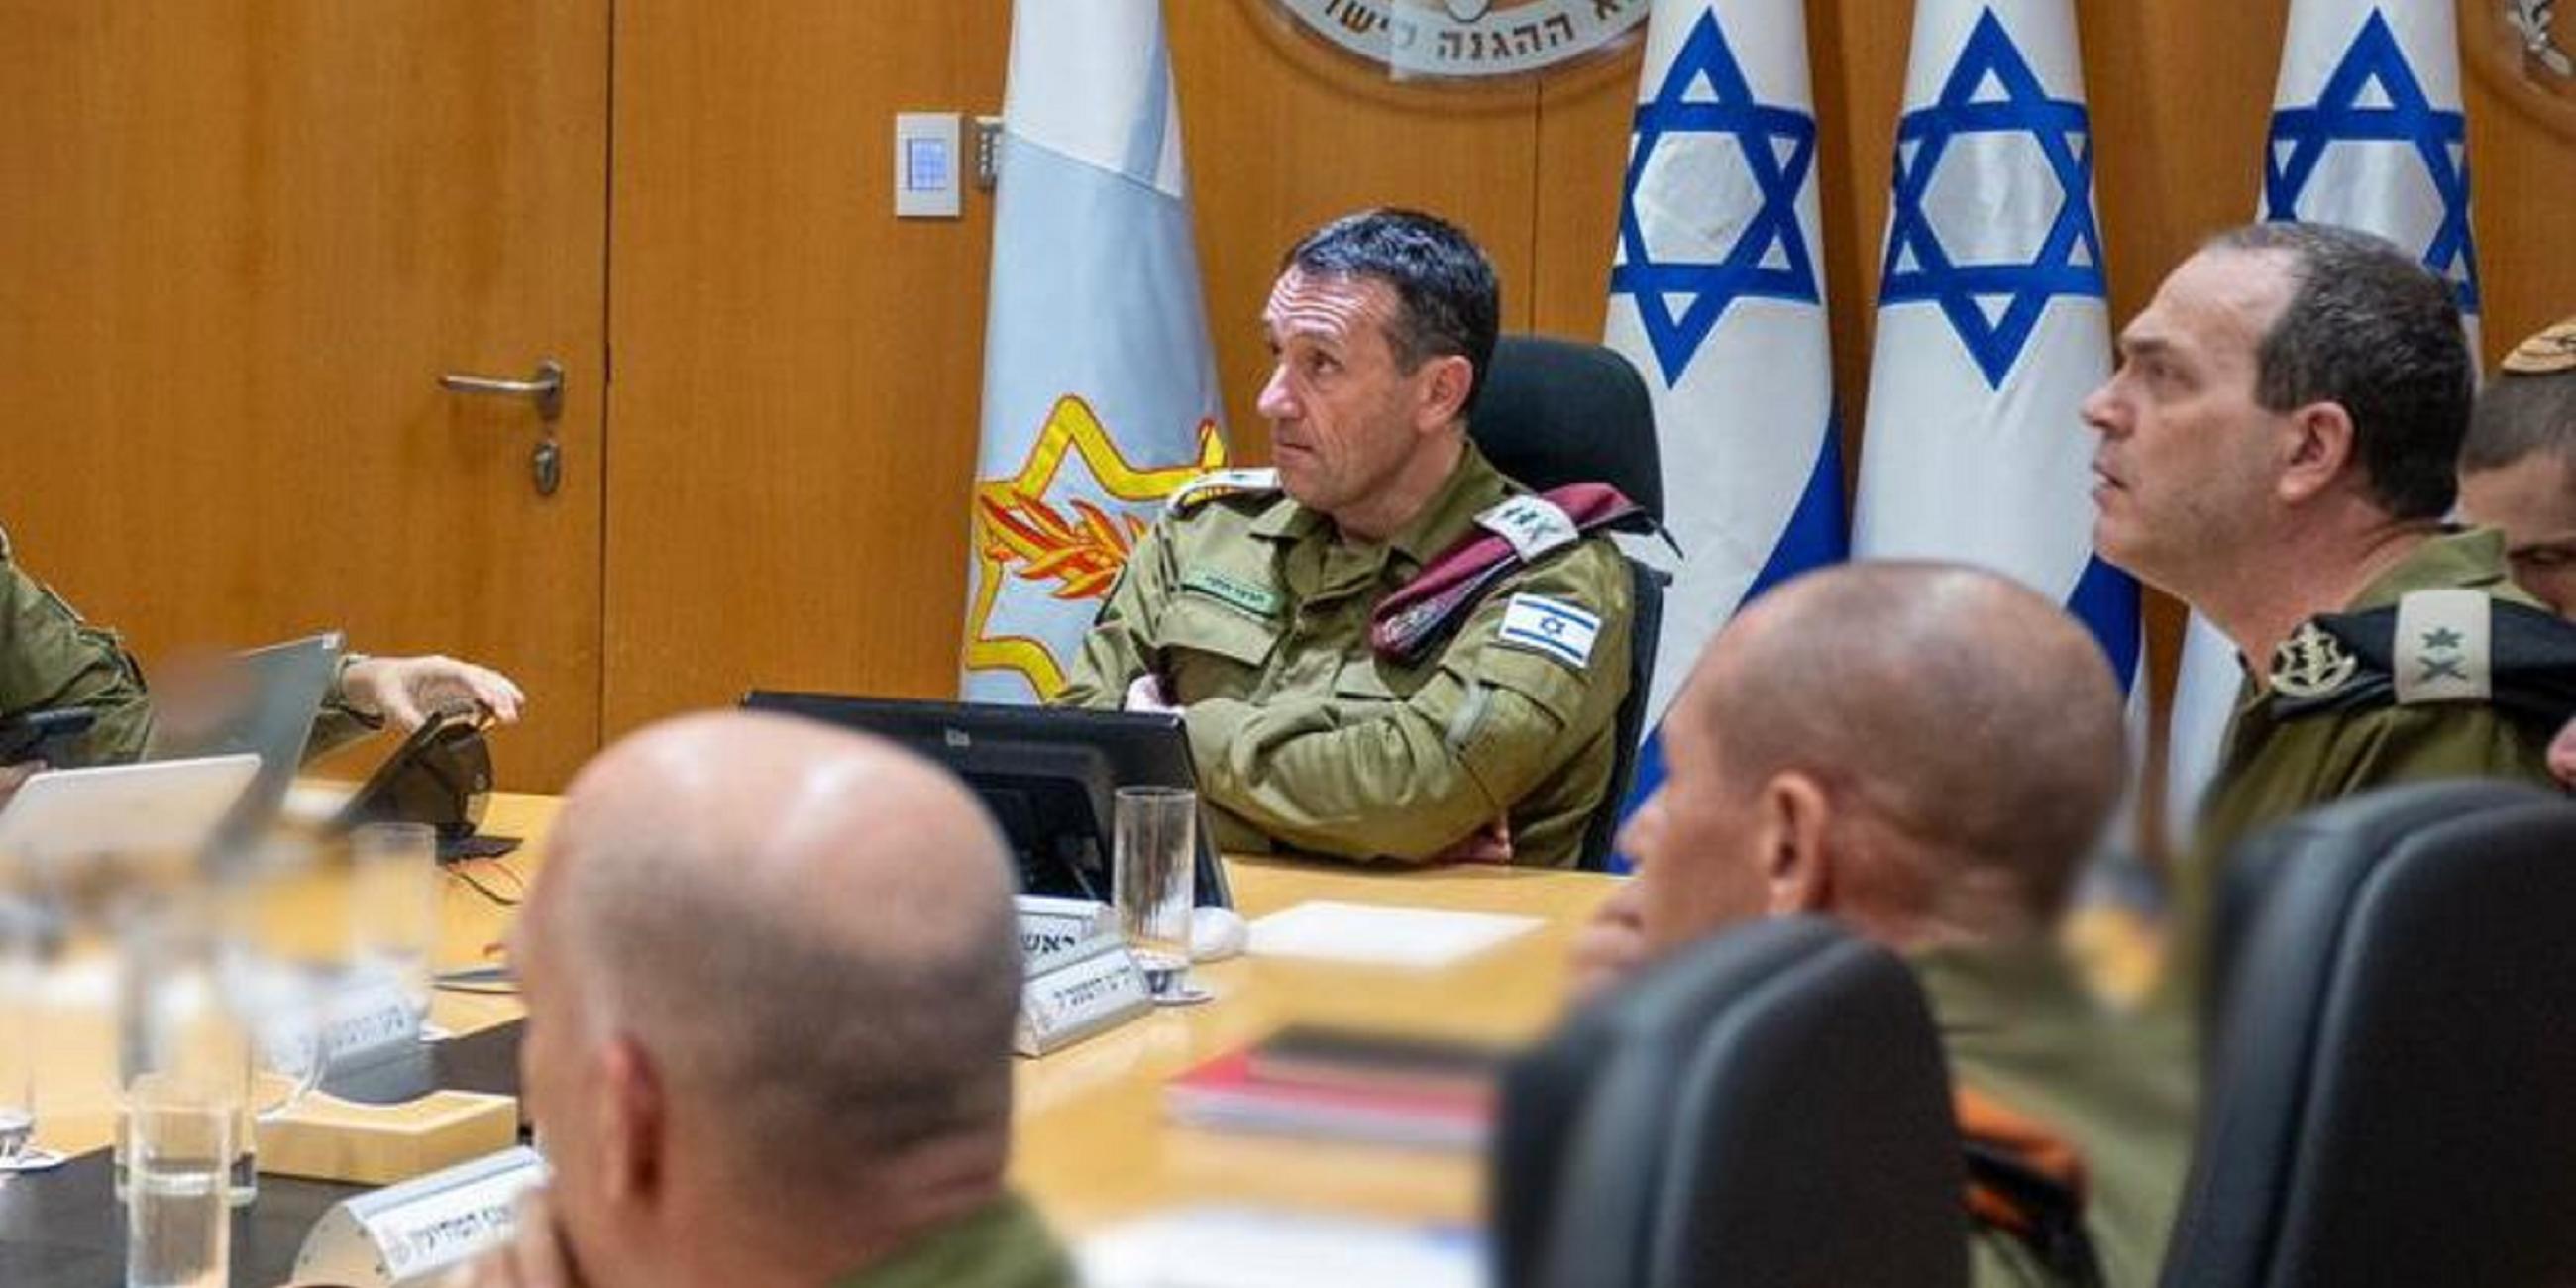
{"x":2069,"y":261}
{"x":2404,"y":114}
{"x":1769,"y":257}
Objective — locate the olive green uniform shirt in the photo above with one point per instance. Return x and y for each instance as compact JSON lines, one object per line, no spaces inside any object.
{"x":1000,"y":1245}
{"x":2021,"y":1029}
{"x":50,"y":657}
{"x":1256,"y":613}
{"x":2271,"y":768}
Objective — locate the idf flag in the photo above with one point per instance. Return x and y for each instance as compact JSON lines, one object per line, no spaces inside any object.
{"x":1100,"y":392}
{"x":1717,"y":296}
{"x":2367,"y":132}
{"x":1993,"y":321}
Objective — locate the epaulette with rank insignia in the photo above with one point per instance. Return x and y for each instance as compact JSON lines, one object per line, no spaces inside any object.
{"x":1252,"y":481}
{"x":2431,"y":646}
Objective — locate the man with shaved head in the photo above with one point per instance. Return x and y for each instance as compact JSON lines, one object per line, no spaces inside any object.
{"x":1384,"y":648}
{"x":1925,"y":753}
{"x":771,"y":972}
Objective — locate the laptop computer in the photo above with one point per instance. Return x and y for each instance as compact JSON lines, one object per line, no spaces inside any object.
{"x":259,"y":703}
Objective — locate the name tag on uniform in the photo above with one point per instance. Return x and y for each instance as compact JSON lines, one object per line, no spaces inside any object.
{"x":1552,"y":627}
{"x":1234,"y":592}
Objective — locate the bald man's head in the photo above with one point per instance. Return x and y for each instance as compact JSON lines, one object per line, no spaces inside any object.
{"x":1908,"y":746}
{"x":801,"y":936}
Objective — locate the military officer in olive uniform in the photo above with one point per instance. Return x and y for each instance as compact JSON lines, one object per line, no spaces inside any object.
{"x":2518,"y":475}
{"x":50,"y":658}
{"x":1383,"y":648}
{"x":2518,"y":467}
{"x":2278,"y":450}
{"x":1924,"y":753}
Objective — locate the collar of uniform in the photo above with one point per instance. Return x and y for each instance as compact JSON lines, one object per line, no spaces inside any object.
{"x":2470,"y":558}
{"x":1002,"y":1243}
{"x":1991,"y":986}
{"x":1473,"y":488}
{"x":1287,"y":521}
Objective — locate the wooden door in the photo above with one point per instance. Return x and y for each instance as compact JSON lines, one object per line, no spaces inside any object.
{"x":239,"y":242}
{"x":797,"y":370}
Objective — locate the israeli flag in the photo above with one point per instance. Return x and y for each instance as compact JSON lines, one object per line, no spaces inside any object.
{"x":1100,"y":393}
{"x":1993,"y":317}
{"x":2368,"y":132}
{"x":1717,"y":295}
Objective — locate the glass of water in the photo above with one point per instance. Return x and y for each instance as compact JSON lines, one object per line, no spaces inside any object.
{"x":393,"y":905}
{"x":178,"y":1215}
{"x":1154,"y":861}
{"x":19,"y":980}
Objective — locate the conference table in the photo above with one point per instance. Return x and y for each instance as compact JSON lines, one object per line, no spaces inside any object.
{"x":1092,"y":1142}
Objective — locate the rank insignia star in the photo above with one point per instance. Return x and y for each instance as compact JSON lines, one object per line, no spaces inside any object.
{"x":1994,"y":307}
{"x":2374,"y":96}
{"x":1704,"y":95}
{"x":2441,"y":638}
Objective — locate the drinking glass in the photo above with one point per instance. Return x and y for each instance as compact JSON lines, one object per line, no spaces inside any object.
{"x":19,"y":980}
{"x":393,"y":905}
{"x":1154,"y":860}
{"x":178,"y":1147}
{"x":181,"y":1022}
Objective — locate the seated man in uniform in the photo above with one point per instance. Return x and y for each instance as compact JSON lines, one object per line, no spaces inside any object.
{"x":2518,"y":467}
{"x":2278,"y":450}
{"x":1335,"y":703}
{"x":1925,"y":753}
{"x":50,"y":657}
{"x":771,"y":970}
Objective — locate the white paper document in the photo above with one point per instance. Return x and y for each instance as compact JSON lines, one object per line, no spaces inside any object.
{"x":1377,"y":935}
{"x":1226,"y":1247}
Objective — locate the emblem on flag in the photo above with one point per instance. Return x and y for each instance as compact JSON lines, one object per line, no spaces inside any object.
{"x":1042,"y":527}
{"x":2374,"y":96}
{"x":1994,"y":305}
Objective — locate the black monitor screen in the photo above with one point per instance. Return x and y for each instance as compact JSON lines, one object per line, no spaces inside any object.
{"x":1047,"y":774}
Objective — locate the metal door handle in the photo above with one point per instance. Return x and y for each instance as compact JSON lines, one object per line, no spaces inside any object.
{"x":545,"y":388}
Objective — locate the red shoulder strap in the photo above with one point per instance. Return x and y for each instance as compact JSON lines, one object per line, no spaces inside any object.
{"x":1424,"y":609}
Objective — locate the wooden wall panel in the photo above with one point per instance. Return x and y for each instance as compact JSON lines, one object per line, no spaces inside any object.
{"x":796,"y":371}
{"x":1283,"y":134}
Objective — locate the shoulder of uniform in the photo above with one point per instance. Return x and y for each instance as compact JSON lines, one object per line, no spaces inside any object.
{"x":5,"y":555}
{"x":1259,"y":484}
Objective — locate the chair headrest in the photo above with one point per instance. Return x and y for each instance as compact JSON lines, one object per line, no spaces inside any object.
{"x":1553,"y":412}
{"x":1697,"y":1116}
{"x":2399,"y":989}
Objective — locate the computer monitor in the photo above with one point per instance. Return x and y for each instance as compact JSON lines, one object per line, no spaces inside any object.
{"x":1047,"y":774}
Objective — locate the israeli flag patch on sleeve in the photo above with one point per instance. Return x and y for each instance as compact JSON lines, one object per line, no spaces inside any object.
{"x":1550,"y":626}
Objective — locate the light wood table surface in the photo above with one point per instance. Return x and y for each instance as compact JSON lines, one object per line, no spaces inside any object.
{"x":1091,"y":1142}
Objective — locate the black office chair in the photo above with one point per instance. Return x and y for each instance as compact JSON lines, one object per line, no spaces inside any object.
{"x":2390,"y":1097}
{"x":1554,"y":412}
{"x":1768,"y":1107}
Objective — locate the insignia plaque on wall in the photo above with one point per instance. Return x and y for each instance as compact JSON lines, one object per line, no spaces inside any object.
{"x":1466,"y":41}
{"x":2527,"y":49}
